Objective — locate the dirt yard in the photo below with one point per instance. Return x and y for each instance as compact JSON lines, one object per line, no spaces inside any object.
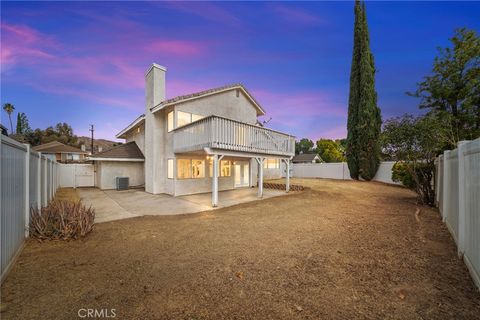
{"x":340,"y":250}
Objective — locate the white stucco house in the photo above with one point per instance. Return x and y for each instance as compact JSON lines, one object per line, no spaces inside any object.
{"x":201,"y":142}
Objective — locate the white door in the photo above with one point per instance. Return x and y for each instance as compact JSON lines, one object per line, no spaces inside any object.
{"x":242,"y":174}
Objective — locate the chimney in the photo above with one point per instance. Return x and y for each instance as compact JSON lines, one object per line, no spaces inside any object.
{"x":154,"y":86}
{"x":154,"y":94}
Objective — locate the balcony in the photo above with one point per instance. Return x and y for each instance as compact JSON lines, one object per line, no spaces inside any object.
{"x":226,"y":134}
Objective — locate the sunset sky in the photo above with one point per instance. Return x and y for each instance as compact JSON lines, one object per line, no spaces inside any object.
{"x":84,"y":62}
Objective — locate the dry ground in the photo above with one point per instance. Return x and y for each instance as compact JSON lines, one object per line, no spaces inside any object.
{"x":340,"y":250}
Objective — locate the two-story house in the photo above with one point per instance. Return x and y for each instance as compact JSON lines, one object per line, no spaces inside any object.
{"x":201,"y":142}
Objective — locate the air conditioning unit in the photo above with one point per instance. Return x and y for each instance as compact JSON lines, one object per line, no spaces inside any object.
{"x":122,"y":183}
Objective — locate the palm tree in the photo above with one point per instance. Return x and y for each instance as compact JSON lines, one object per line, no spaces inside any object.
{"x":8,"y":107}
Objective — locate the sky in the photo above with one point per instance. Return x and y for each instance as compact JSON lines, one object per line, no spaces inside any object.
{"x":84,"y":62}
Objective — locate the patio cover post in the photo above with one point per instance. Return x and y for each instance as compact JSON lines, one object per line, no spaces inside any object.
{"x":287,"y":176}
{"x":216,"y":160}
{"x":260,"y":176}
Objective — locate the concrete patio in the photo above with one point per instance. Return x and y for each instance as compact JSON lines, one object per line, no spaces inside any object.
{"x":113,"y":205}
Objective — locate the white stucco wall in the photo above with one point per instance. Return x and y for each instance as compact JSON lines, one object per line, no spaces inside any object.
{"x":137,"y":134}
{"x":107,"y":171}
{"x":225,"y":104}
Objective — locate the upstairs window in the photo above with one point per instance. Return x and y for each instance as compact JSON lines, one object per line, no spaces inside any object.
{"x":170,"y":122}
{"x":184,"y":118}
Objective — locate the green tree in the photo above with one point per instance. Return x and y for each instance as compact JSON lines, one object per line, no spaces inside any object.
{"x":330,"y":151}
{"x":453,"y":88}
{"x":303,"y":146}
{"x":8,"y":108}
{"x":414,"y":143}
{"x":62,"y":132}
{"x":364,"y":119}
{"x":23,"y":128}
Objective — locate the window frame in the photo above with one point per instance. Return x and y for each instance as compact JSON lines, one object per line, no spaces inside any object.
{"x":189,"y":169}
{"x":170,"y":127}
{"x":170,"y":175}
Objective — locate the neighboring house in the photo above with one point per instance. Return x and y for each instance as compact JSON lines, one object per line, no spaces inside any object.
{"x":201,"y":142}
{"x":3,"y":130}
{"x":62,"y":152}
{"x":307,"y":158}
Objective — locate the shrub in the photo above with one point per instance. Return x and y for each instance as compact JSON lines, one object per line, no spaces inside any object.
{"x":417,"y":177}
{"x":61,"y":220}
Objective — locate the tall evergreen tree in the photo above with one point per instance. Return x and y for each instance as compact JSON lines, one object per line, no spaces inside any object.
{"x":364,"y":119}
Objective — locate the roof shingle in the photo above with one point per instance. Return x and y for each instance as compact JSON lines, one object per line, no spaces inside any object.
{"x":57,"y":147}
{"x":129,"y":150}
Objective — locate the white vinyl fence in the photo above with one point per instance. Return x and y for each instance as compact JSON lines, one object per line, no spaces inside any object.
{"x":75,"y":175}
{"x":339,"y":171}
{"x":458,"y":198}
{"x":29,"y":179}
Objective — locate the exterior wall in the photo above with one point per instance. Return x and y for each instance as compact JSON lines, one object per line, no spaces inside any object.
{"x":107,"y":171}
{"x":225,"y":104}
{"x":137,"y":134}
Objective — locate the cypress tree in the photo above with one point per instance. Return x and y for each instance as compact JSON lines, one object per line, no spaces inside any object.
{"x":364,"y":119}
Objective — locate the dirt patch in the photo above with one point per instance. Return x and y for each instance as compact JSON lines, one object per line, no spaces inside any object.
{"x":339,"y":250}
{"x":67,"y":194}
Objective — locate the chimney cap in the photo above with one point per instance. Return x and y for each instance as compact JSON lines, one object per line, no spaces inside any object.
{"x":155,"y":65}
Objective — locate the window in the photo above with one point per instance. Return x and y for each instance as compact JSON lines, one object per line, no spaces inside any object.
{"x":271,"y":164}
{"x":196,"y":117}
{"x":184,"y":168}
{"x":225,"y":168}
{"x":170,"y":168}
{"x":170,"y":123}
{"x":184,"y":118}
{"x":198,"y":169}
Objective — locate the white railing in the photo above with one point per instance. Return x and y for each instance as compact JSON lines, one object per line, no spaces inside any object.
{"x":457,"y":194}
{"x":221,"y":133}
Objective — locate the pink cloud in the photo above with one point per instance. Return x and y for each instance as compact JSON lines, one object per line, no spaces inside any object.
{"x":177,"y":47}
{"x":22,"y":44}
{"x":296,"y":15}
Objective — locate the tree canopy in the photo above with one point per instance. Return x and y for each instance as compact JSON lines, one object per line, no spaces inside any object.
{"x":304,"y":146}
{"x":364,"y":119}
{"x":330,"y":151}
{"x":453,"y":88}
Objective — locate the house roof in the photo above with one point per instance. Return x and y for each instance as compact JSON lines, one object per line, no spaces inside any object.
{"x":127,"y":151}
{"x":209,"y":92}
{"x":188,"y":97}
{"x":57,"y":147}
{"x":140,"y":119}
{"x":305,"y":157}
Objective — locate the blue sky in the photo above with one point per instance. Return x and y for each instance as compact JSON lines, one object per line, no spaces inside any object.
{"x":83,"y":62}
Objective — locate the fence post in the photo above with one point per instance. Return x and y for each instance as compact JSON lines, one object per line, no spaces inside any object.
{"x":461,"y":197}
{"x":27,"y":189}
{"x":445,"y":184}
{"x":39,"y":181}
{"x":44,"y":187}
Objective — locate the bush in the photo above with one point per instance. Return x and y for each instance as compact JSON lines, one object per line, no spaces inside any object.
{"x":61,"y":220}
{"x":417,"y":177}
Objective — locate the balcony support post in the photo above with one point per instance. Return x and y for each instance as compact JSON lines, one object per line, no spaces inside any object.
{"x":260,"y":162}
{"x":287,"y":175}
{"x":216,"y":160}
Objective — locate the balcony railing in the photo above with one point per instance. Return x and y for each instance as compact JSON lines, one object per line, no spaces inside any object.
{"x":221,"y":133}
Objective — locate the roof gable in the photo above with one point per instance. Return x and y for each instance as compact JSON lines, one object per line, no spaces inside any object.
{"x":209,"y":92}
